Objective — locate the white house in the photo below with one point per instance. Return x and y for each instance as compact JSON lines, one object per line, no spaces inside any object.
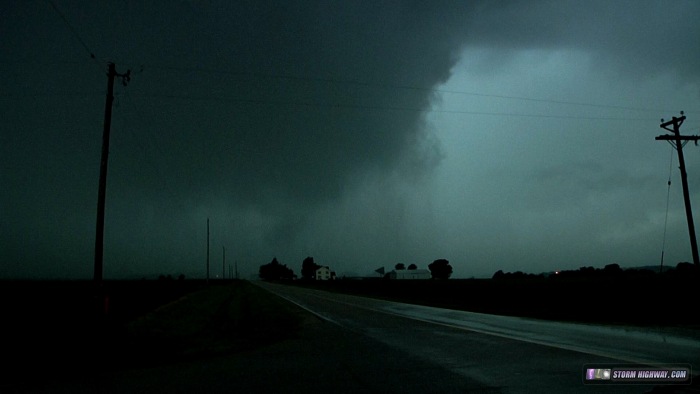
{"x":410,"y":274}
{"x":324,"y":273}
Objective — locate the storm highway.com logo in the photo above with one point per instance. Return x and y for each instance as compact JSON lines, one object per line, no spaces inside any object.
{"x":637,"y":374}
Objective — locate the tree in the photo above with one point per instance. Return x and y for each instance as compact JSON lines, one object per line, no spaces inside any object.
{"x":685,"y":270}
{"x":498,"y":275}
{"x":308,"y":268}
{"x":275,"y":271}
{"x":613,"y":270}
{"x":400,"y":266}
{"x":440,"y":269}
{"x":412,"y":267}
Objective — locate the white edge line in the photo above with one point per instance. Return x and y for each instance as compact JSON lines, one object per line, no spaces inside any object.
{"x":465,"y":328}
{"x":326,"y":318}
{"x":507,"y":336}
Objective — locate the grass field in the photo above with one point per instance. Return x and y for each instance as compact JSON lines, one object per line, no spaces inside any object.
{"x":50,"y":329}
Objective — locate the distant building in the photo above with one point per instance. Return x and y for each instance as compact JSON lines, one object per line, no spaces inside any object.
{"x":324,"y":273}
{"x":410,"y":274}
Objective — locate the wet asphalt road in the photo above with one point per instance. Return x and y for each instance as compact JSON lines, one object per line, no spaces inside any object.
{"x":349,"y":344}
{"x":503,"y":353}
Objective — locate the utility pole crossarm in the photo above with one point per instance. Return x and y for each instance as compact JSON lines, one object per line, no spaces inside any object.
{"x":667,"y":137}
{"x":676,"y":122}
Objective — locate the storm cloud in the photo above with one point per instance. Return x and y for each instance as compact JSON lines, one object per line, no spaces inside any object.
{"x":332,"y":129}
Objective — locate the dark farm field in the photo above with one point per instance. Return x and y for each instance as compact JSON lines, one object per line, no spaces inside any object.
{"x":50,"y":328}
{"x":52,"y":325}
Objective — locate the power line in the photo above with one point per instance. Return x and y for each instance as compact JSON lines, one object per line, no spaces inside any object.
{"x":75,"y":34}
{"x":376,"y":85}
{"x":402,"y":87}
{"x":377,"y":107}
{"x":668,"y":199}
{"x":50,"y":94}
{"x":361,"y":106}
{"x":86,"y":94}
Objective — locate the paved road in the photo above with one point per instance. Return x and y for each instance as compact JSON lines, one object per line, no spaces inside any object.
{"x":349,"y":344}
{"x":503,"y":353}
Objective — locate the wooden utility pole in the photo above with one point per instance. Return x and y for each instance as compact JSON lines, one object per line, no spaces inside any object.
{"x":678,"y":141}
{"x":207,"y":250}
{"x":99,"y":231}
{"x":223,"y":265}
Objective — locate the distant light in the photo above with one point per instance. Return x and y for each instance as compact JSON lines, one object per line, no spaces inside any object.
{"x":556,"y":272}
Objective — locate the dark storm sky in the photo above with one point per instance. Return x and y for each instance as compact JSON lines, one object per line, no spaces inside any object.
{"x":498,"y":135}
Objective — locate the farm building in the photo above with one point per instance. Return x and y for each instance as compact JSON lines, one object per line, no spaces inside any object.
{"x":410,"y":274}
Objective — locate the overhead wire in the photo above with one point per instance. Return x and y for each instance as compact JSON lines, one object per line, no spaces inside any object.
{"x":360,"y":83}
{"x":145,"y":139}
{"x":75,"y":34}
{"x":367,"y":84}
{"x":379,"y":107}
{"x":49,"y":94}
{"x":668,"y":198}
{"x":331,"y":105}
{"x":402,"y":87}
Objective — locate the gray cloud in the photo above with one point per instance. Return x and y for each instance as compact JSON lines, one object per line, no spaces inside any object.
{"x":303,"y":128}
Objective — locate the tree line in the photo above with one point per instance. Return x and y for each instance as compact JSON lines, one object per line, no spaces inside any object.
{"x":683,"y":269}
{"x":274,"y":270}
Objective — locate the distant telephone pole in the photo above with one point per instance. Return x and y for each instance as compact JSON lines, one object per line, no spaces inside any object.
{"x":223,"y":265}
{"x":678,"y":141}
{"x":99,"y":232}
{"x":207,"y":250}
